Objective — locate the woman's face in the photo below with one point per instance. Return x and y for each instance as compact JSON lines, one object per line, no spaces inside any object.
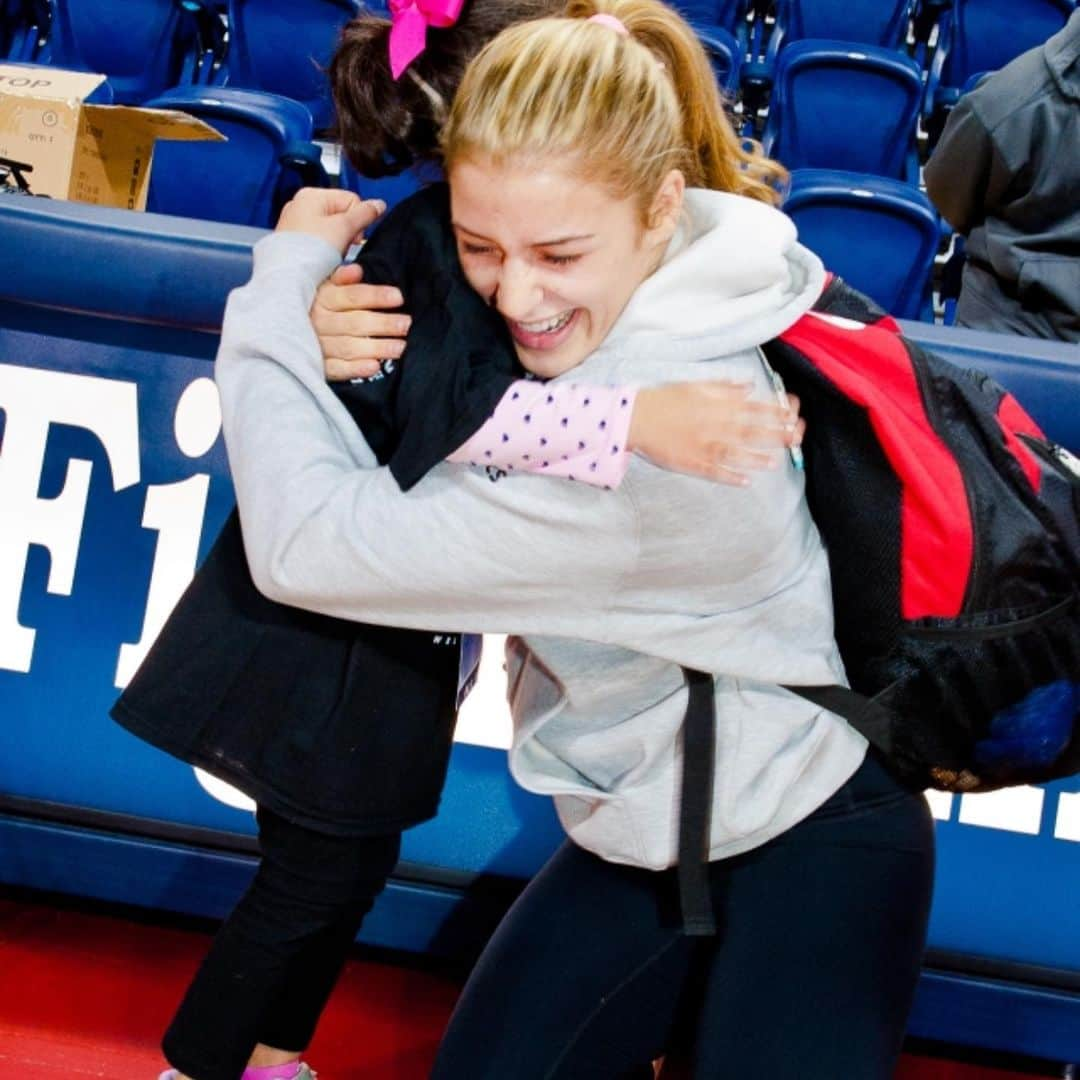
{"x":557,"y":256}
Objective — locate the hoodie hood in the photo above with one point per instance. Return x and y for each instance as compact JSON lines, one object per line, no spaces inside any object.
{"x":1062,"y":53}
{"x":733,"y":270}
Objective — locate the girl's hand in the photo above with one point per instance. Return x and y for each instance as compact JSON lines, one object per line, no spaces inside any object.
{"x":336,"y":216}
{"x":712,"y":429}
{"x":354,"y":331}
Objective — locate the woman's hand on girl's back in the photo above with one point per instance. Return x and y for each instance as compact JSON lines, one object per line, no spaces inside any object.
{"x":713,"y":429}
{"x":357,"y":325}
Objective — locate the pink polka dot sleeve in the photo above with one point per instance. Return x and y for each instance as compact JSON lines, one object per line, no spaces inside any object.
{"x":571,"y":430}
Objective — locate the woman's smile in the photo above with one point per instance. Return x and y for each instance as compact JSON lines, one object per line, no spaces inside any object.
{"x":544,"y":334}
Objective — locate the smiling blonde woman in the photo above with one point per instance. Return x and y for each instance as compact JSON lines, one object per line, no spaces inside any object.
{"x":568,"y":153}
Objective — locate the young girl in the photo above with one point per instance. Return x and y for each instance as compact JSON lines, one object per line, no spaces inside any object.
{"x":567,"y":152}
{"x":341,"y":731}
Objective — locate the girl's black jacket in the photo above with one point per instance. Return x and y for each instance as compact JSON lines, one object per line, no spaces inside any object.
{"x":339,"y":726}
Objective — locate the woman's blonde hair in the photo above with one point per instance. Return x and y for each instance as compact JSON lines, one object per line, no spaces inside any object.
{"x":625,"y":108}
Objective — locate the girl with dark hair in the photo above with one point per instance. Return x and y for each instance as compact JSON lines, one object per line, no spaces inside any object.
{"x":341,"y":731}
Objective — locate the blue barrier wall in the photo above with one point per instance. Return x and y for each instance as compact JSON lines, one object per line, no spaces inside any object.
{"x":113,"y":483}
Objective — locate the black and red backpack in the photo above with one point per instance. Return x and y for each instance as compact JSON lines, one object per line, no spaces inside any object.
{"x":953,"y":532}
{"x":952,"y":527}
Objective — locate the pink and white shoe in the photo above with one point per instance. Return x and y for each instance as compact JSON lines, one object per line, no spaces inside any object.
{"x":270,"y":1072}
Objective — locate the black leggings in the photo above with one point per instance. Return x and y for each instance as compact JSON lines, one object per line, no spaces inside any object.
{"x":811,"y":975}
{"x":276,"y":958}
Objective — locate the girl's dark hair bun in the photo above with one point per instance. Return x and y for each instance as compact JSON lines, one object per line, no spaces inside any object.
{"x":386,"y":126}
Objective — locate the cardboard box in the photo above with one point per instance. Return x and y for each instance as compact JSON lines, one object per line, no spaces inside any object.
{"x":100,"y":154}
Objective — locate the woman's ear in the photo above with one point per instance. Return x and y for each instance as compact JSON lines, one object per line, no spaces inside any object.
{"x":667,"y":206}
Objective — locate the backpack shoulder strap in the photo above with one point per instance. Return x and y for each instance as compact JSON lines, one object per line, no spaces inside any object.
{"x":866,"y":716}
{"x":841,"y":301}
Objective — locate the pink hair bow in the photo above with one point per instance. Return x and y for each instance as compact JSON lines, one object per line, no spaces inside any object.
{"x":408,"y":34}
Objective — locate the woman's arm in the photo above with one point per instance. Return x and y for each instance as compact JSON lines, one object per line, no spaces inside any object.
{"x":966,"y":177}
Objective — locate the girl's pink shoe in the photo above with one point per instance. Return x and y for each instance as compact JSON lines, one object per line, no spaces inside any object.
{"x":271,"y":1072}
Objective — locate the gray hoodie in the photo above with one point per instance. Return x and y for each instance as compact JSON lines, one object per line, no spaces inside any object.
{"x":666,"y":571}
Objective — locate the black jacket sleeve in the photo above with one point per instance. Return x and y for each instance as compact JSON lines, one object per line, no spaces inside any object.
{"x":458,"y":360}
{"x":966,"y":175}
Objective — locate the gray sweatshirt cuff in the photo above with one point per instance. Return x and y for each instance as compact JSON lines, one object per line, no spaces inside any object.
{"x":296,"y":252}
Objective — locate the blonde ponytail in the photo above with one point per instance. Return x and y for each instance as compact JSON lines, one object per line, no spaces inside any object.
{"x":721,"y":160}
{"x":624,"y":108}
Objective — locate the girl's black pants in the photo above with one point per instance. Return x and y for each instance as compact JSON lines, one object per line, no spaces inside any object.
{"x":271,"y":968}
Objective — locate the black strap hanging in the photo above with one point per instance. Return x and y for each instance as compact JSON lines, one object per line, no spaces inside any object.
{"x":695,"y":804}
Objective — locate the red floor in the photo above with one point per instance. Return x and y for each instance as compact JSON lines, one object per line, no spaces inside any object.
{"x":87,"y":995}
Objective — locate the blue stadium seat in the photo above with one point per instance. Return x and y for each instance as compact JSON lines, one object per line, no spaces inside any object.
{"x":726,"y":56}
{"x":841,"y":106}
{"x":282,"y":46}
{"x":144,"y":46}
{"x":880,"y":235}
{"x":245,"y":181}
{"x":872,"y":22}
{"x":24,"y":26}
{"x":730,"y":15}
{"x":977,"y":36}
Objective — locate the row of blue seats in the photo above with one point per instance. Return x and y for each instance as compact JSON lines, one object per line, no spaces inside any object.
{"x":823,"y":92}
{"x":973,"y":37}
{"x":968,"y":36}
{"x":269,"y":154}
{"x":767,"y":22}
{"x":279,"y":45}
{"x":147,"y":46}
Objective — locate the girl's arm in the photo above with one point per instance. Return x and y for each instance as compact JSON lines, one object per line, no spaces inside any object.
{"x":574,"y":431}
{"x":583,"y":431}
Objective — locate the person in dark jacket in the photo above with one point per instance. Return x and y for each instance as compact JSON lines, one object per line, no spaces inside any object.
{"x":1006,"y":174}
{"x":340,"y":731}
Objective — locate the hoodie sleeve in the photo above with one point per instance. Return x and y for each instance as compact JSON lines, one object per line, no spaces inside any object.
{"x":326,"y":528}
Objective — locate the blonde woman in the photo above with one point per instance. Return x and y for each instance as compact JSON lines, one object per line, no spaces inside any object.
{"x":580,"y":154}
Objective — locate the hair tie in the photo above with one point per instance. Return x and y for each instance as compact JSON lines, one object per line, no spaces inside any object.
{"x":610,"y":21}
{"x":410,"y":20}
{"x":435,"y":99}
